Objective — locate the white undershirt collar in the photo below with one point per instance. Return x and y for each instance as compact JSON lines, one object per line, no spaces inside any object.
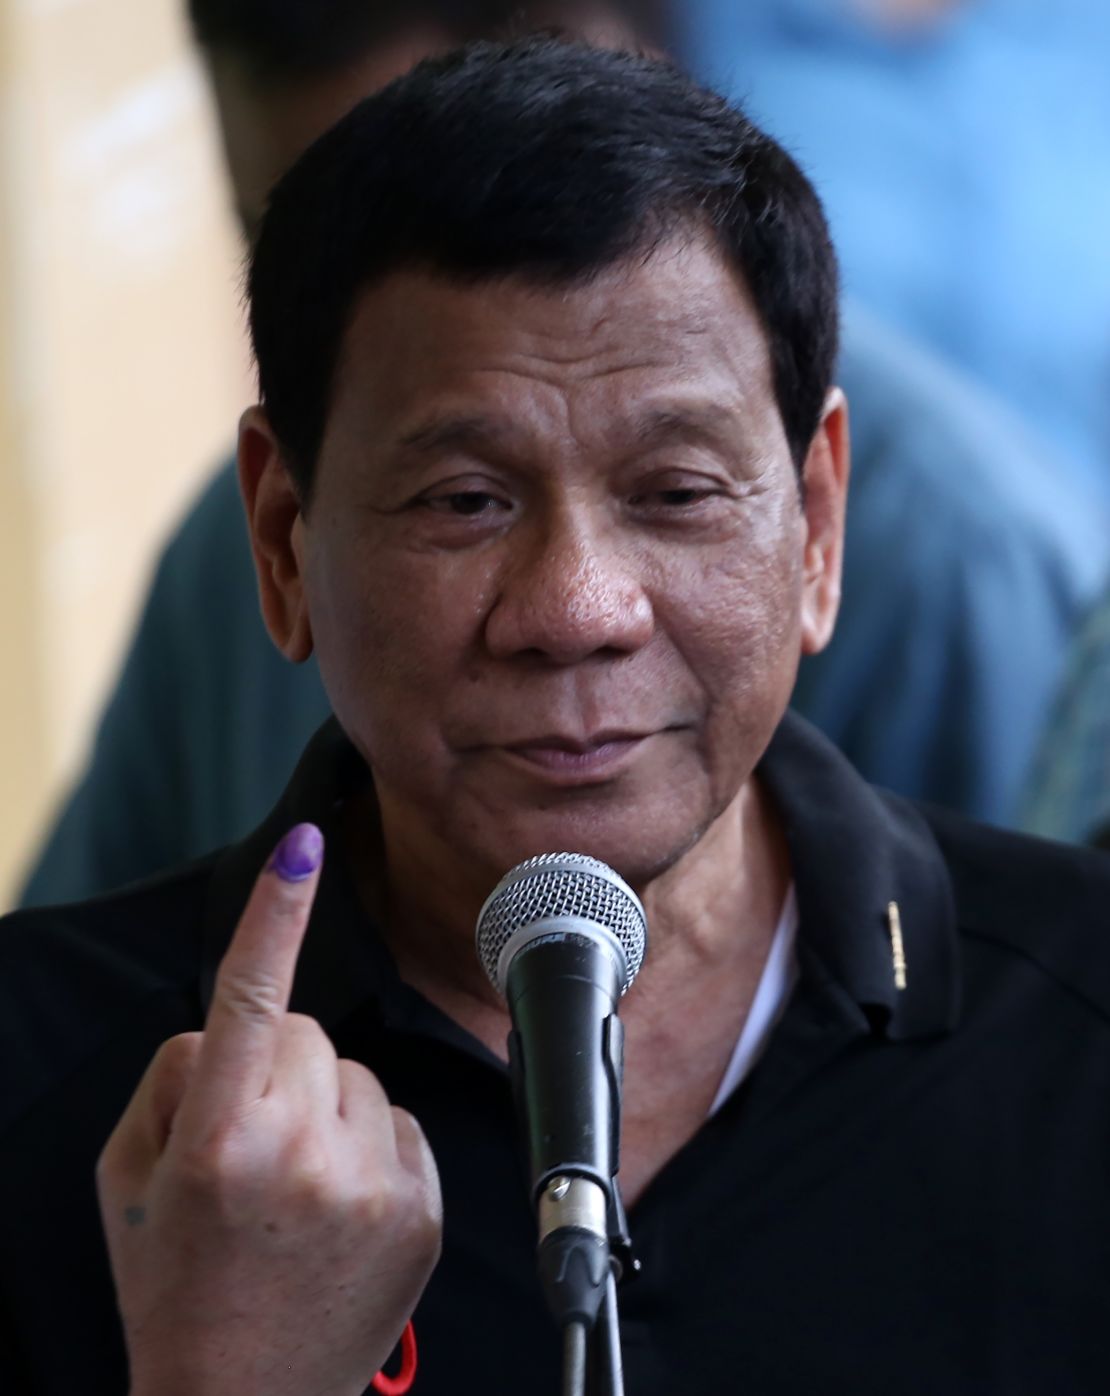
{"x":776,"y":983}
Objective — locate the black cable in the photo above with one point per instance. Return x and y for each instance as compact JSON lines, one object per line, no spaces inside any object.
{"x":574,"y":1359}
{"x":611,"y":1339}
{"x":606,"y":1366}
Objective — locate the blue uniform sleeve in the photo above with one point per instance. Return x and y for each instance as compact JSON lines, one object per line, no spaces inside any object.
{"x":968,"y":569}
{"x":1069,"y":795}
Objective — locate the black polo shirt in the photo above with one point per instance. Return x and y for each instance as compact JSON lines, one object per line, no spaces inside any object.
{"x":909,"y":1196}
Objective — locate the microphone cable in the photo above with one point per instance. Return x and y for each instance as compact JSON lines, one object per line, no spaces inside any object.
{"x":574,"y":1358}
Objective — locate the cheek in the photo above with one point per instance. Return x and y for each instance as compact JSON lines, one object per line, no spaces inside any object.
{"x":745,"y":627}
{"x":394,"y":633}
{"x":742,"y":640}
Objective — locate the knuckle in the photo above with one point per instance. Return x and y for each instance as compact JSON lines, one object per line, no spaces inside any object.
{"x":430,"y":1243}
{"x":426,"y":1212}
{"x":118,"y":1142}
{"x":411,"y":1136}
{"x":359,"y":1080}
{"x":362,"y":1098}
{"x":309,"y":1166}
{"x":406,"y":1206}
{"x":180,"y":1050}
{"x":175,"y":1059}
{"x":257,"y":997}
{"x":107,"y":1168}
{"x":423,"y":1223}
{"x":406,"y":1123}
{"x":380,"y":1209}
{"x":380,"y":1196}
{"x":215,"y":1165}
{"x":306,"y":1033}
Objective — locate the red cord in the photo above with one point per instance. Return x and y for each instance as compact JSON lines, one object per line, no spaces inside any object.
{"x":401,"y":1384}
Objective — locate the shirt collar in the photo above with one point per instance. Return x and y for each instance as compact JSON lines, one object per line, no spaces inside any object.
{"x":853,"y":852}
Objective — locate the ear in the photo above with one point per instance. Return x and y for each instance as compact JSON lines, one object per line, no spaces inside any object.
{"x":276,"y":525}
{"x":825,"y":480}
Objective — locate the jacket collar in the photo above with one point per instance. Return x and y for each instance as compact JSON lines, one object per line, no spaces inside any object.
{"x":853,"y":852}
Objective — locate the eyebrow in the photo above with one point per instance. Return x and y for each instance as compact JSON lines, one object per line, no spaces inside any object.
{"x":656,"y":428}
{"x":705,"y":422}
{"x":454,"y":433}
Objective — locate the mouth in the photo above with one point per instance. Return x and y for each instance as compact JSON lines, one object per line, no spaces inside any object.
{"x":573,"y":760}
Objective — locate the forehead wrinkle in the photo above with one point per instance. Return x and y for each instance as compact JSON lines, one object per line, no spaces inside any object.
{"x":446,"y":431}
{"x":676,"y":343}
{"x":589,"y":370}
{"x":643,"y":430}
{"x":694,"y":421}
{"x":583,"y":350}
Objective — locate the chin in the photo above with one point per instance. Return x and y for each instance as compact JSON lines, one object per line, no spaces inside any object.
{"x":640,"y":846}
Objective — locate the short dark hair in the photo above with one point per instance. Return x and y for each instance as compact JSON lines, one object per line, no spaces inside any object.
{"x":540,"y":159}
{"x":277,"y":40}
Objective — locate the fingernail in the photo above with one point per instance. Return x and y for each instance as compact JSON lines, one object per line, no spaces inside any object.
{"x":299,"y":853}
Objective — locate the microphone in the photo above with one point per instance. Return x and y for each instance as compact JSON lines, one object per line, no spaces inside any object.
{"x":562,"y":937}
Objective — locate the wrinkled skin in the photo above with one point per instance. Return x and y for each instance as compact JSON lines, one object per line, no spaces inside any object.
{"x":542,"y":517}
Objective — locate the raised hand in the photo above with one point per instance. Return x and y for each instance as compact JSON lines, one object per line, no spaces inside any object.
{"x":271,"y":1220}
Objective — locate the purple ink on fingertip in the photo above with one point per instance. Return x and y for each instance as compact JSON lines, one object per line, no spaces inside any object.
{"x":299,"y":853}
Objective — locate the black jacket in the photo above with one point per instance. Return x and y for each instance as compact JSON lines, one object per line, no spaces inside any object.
{"x":910,"y":1195}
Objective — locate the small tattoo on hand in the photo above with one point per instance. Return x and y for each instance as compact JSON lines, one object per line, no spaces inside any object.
{"x":134,"y":1216}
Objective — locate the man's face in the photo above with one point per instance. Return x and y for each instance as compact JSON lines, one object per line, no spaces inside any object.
{"x":557,"y":569}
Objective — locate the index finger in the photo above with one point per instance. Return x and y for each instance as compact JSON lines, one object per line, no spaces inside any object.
{"x":255,"y":979}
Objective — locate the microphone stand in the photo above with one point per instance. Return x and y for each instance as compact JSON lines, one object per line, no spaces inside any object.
{"x":605,"y":1373}
{"x":592,"y":1359}
{"x":606,"y":1370}
{"x":581,"y":1264}
{"x":584,"y":1254}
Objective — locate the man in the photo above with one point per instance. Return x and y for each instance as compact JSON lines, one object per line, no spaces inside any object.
{"x":947,"y":709}
{"x":549,"y":474}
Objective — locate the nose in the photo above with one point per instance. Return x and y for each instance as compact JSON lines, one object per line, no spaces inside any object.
{"x":567,"y":593}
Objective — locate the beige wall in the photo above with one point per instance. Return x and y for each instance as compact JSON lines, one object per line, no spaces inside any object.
{"x":122,"y":367}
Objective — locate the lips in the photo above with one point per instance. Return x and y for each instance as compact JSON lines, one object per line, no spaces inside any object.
{"x":576,"y":760}
{"x":575,"y":746}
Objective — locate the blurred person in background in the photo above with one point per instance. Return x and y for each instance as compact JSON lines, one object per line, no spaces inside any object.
{"x":952,"y":632}
{"x":963,"y":589}
{"x":181,"y":761}
{"x":962,"y":149}
{"x":1069,"y":796}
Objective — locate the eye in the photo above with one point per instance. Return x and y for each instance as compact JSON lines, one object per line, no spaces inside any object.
{"x":678,"y":496}
{"x":682,"y":498}
{"x":466,"y":504}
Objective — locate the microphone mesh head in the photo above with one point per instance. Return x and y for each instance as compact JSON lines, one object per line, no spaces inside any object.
{"x":559,"y":885}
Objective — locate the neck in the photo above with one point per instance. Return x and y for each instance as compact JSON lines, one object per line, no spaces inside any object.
{"x":720,"y":903}
{"x":712,"y":919}
{"x":715,"y":909}
{"x":426,"y":902}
